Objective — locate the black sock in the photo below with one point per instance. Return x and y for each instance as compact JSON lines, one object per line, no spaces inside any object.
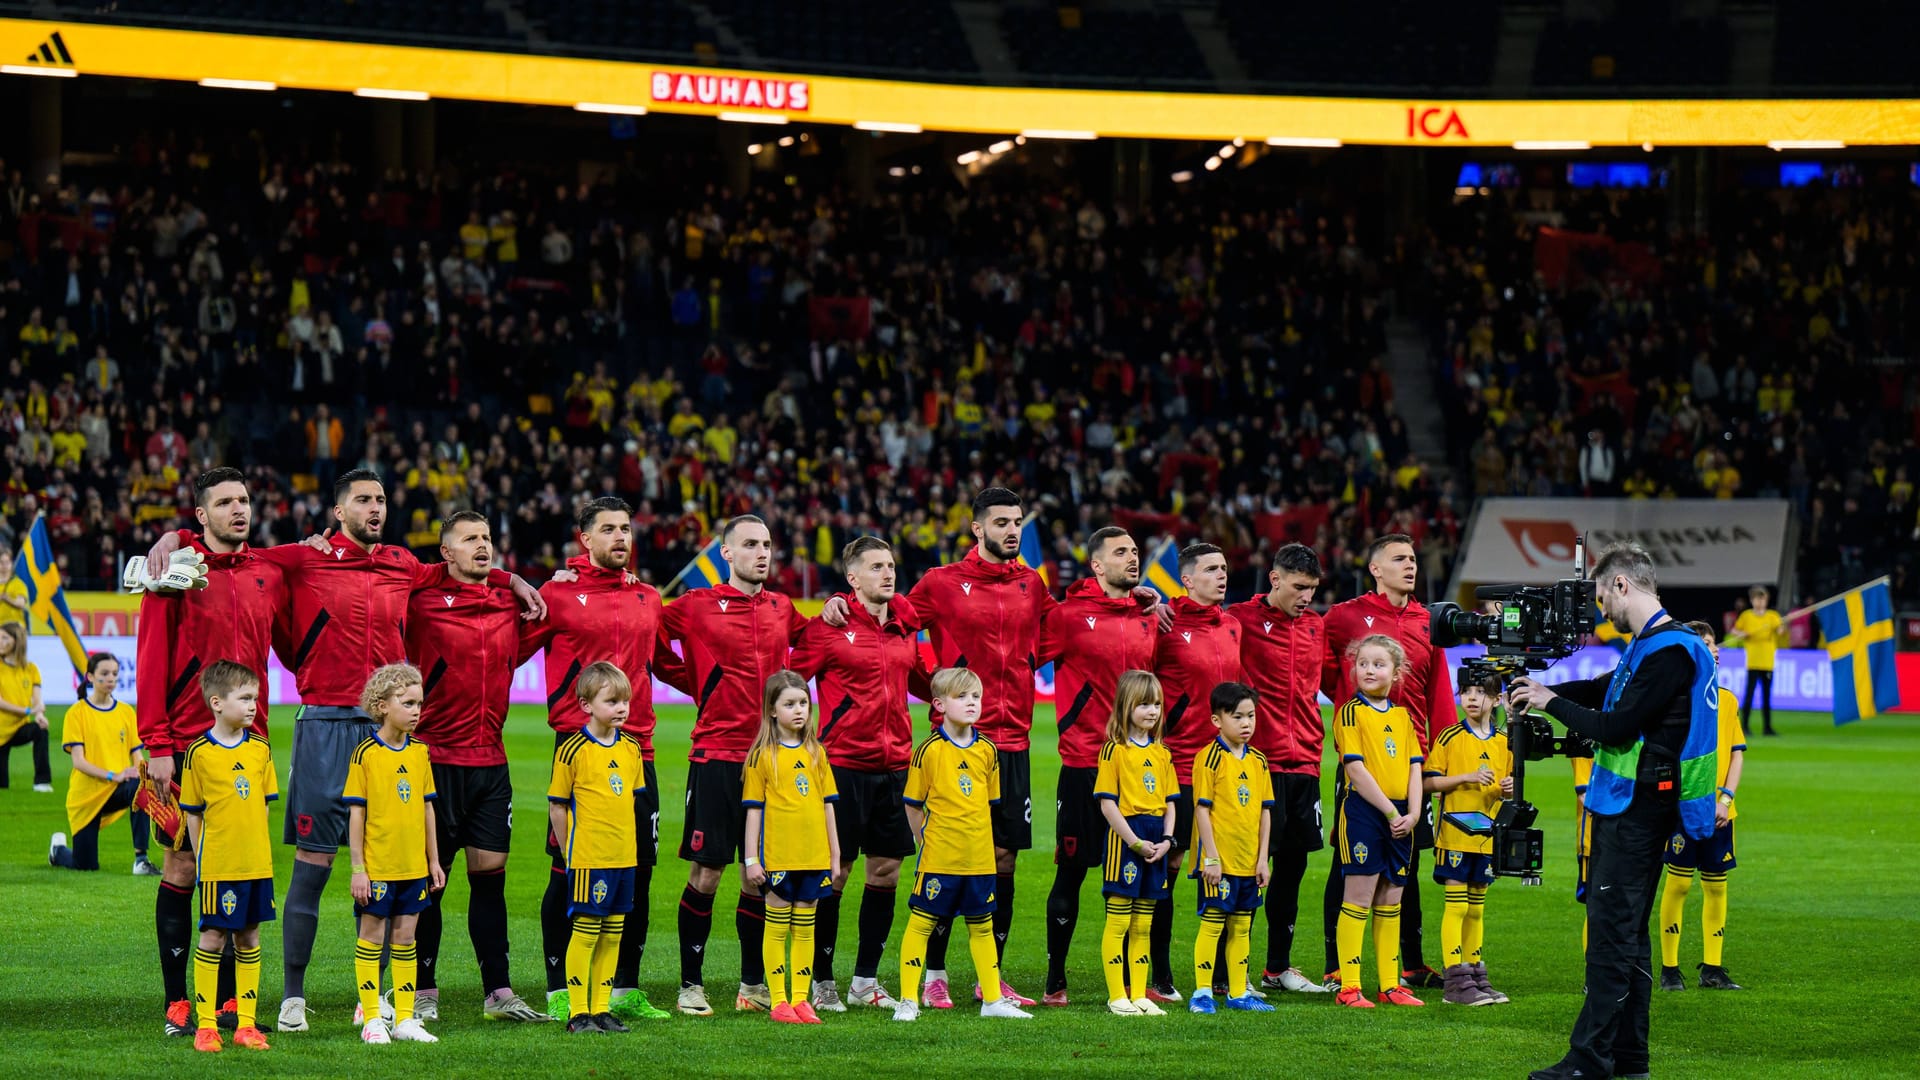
{"x":750,"y":921}
{"x":173,"y":929}
{"x":224,"y":985}
{"x":555,"y":929}
{"x":426,"y":940}
{"x":876,"y":923}
{"x":696,"y":925}
{"x":937,"y":944}
{"x":1410,"y":951}
{"x":1063,"y":914}
{"x":1283,"y":907}
{"x":1160,"y":943}
{"x":1002,"y":914}
{"x":1330,"y":915}
{"x":826,"y":935}
{"x":633,"y":941}
{"x":299,"y":923}
{"x":487,"y":927}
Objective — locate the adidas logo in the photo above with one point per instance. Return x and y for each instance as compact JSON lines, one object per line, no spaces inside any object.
{"x":368,"y":985}
{"x":801,"y":765}
{"x":52,"y":54}
{"x":402,"y":771}
{"x":1117,"y":960}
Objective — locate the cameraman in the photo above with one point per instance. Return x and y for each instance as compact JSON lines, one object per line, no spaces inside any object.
{"x":1652,"y":722}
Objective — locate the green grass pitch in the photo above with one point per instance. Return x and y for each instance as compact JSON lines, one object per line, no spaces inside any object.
{"x":1823,"y":930}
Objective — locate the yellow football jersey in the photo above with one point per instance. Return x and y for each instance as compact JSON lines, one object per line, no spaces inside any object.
{"x":598,"y":782}
{"x":1460,"y":750}
{"x":1761,"y":631}
{"x":1731,"y":738}
{"x":1236,"y":791}
{"x":1383,"y":740}
{"x":109,"y":738}
{"x":1140,"y":778}
{"x":792,"y":791}
{"x":395,"y":784}
{"x":954,"y":784}
{"x":230,"y":787}
{"x":16,"y":688}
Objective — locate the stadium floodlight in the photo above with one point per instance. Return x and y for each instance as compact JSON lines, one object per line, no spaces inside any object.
{"x":239,"y":84}
{"x":1553,"y":144}
{"x":786,"y":140}
{"x":1182,"y":176}
{"x":888,"y":125}
{"x":1228,"y":151}
{"x":753,"y":149}
{"x":610,"y":108}
{"x":1213,"y":163}
{"x":35,"y":69}
{"x":1000,"y":147}
{"x":1303,"y":142}
{"x":1806,"y":144}
{"x":752,"y":118}
{"x":967,"y":158}
{"x":1059,"y":133}
{"x":391,"y":95}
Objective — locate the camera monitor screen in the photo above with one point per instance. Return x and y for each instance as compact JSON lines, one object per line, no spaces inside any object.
{"x":1472,"y":822}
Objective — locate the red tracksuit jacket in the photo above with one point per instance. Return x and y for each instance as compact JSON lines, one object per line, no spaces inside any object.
{"x":231,"y":619}
{"x":1200,"y":652}
{"x":1092,"y":638}
{"x":862,"y":671}
{"x":732,"y":644}
{"x":347,"y":613}
{"x":465,"y":639}
{"x":600,"y":617}
{"x":1426,"y":691}
{"x":986,"y":616}
{"x":1281,"y":656}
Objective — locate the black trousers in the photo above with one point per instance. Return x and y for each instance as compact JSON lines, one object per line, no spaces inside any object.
{"x":42,"y":761}
{"x":1622,"y":887}
{"x":84,"y":854}
{"x":1763,"y":682}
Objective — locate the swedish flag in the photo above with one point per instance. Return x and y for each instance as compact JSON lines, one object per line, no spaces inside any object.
{"x":1858,"y":626}
{"x":1033,"y":552}
{"x":1163,"y":570}
{"x":46,"y":600}
{"x":707,"y":568}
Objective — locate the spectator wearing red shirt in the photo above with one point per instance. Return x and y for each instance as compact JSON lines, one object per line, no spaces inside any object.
{"x":1426,"y":691}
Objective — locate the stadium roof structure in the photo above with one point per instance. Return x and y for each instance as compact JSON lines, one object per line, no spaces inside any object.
{"x":244,"y":62}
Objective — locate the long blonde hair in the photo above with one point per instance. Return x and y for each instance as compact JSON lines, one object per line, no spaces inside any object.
{"x":769,"y":734}
{"x":17,"y":655}
{"x":1136,"y":688}
{"x":1394,"y":653}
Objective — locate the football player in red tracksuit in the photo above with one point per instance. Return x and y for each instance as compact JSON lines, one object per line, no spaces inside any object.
{"x":464,"y":636}
{"x":1096,"y":633}
{"x":1281,"y":648}
{"x":1201,"y":651}
{"x":733,"y":636}
{"x":347,"y":606}
{"x":1426,"y":690}
{"x":595,"y":612}
{"x":230,"y":619}
{"x":863,"y":670}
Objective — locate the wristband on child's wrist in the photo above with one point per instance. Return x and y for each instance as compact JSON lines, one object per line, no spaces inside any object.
{"x":359,"y":868}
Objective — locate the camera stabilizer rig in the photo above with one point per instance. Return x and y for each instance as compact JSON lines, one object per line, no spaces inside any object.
{"x":1530,"y":626}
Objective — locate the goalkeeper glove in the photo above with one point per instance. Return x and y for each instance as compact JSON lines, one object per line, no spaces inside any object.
{"x":186,"y":570}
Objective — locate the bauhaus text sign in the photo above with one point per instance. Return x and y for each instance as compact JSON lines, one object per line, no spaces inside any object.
{"x":731,"y":91}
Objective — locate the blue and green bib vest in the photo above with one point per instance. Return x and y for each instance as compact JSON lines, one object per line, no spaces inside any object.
{"x":1614,"y":767}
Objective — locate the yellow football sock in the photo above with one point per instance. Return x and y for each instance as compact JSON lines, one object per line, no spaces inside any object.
{"x":1713,"y":916}
{"x":986,"y":956}
{"x":606,"y":956}
{"x":1453,"y":925}
{"x":1474,"y":934}
{"x":803,"y":923}
{"x":1673,"y":908}
{"x":773,"y":951}
{"x":1206,"y":946}
{"x":246,"y":983}
{"x":206,"y":980}
{"x":405,"y":960}
{"x":366,"y":976}
{"x":1349,"y":934}
{"x":1113,"y":945}
{"x":1140,"y":948}
{"x":586,"y":935}
{"x":913,"y":954}
{"x":1239,"y":944}
{"x":1386,"y":945}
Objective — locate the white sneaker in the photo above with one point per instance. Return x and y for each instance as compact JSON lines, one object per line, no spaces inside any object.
{"x":53,"y":848}
{"x":1147,"y":1007}
{"x":869,"y":992}
{"x":375,"y":1032}
{"x":44,"y":789}
{"x":386,"y":1010}
{"x":1293,"y":982}
{"x":693,"y":1001}
{"x":753,"y":997}
{"x":293,"y":1014}
{"x":142,"y":867}
{"x":907,"y":1010}
{"x":1122,"y":1007}
{"x":412,"y":1030}
{"x":826,"y":997}
{"x":1004,"y":1009}
{"x":425,"y":1007}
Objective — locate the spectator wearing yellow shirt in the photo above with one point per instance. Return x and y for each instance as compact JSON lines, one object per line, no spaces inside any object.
{"x":1759,"y":630}
{"x":69,"y":445}
{"x":684,"y":421}
{"x":722,"y":439}
{"x":474,"y":236}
